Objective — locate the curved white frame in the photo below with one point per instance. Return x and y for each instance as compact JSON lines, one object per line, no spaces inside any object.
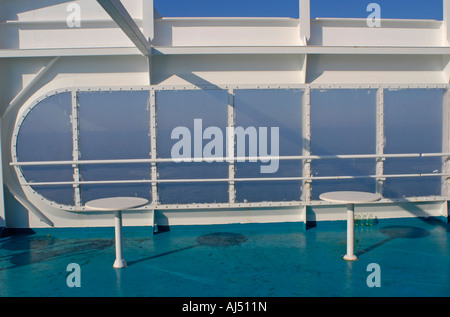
{"x":35,"y":197}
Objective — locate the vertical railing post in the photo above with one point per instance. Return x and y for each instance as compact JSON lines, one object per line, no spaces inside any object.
{"x":380,"y":141}
{"x":230,"y":147}
{"x":306,"y":141}
{"x":445,"y":142}
{"x":76,"y":148}
{"x":153,"y":152}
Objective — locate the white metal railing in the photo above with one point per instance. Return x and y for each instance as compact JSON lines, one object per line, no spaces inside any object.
{"x":232,"y":159}
{"x":228,"y":159}
{"x":215,"y":180}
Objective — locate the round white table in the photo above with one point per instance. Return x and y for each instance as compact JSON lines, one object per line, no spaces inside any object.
{"x":350,"y":198}
{"x":117,"y":204}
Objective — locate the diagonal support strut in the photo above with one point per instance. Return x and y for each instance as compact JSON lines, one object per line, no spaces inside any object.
{"x":123,"y":19}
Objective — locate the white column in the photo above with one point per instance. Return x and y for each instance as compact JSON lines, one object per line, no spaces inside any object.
{"x":446,"y":26}
{"x":120,"y":261}
{"x":148,"y":19}
{"x":148,"y":29}
{"x":350,"y":256}
{"x":305,"y":21}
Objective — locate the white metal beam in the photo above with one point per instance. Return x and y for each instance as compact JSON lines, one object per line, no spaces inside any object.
{"x":56,"y":52}
{"x":305,"y":20}
{"x":446,"y":28}
{"x":371,"y":50}
{"x":149,"y":30}
{"x":123,"y":19}
{"x":205,"y":50}
{"x":30,"y":85}
{"x":148,"y":19}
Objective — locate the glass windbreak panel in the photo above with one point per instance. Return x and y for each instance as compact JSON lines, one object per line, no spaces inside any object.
{"x":97,"y":191}
{"x":113,"y":172}
{"x":413,"y":124}
{"x":115,"y":125}
{"x":46,"y":135}
{"x":192,"y":124}
{"x":268,"y":123}
{"x":343,"y":122}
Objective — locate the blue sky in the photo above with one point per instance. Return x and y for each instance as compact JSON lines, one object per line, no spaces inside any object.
{"x":390,"y":9}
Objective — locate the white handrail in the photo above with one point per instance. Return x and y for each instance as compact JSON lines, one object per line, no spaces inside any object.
{"x":211,"y":180}
{"x":256,"y":179}
{"x":228,"y":159}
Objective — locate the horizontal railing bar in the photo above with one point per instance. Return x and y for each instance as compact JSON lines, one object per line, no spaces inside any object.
{"x":143,"y":181}
{"x":199,"y":180}
{"x":210,"y":180}
{"x":361,"y":156}
{"x":224,"y":159}
{"x":80,"y":162}
{"x":435,"y":154}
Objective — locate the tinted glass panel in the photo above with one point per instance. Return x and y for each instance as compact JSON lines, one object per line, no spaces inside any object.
{"x":183,"y":119}
{"x":261,"y":113}
{"x":46,"y":135}
{"x":413,"y":124}
{"x":343,"y":122}
{"x":115,"y":125}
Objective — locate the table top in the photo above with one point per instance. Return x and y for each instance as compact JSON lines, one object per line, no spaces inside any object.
{"x":350,"y":197}
{"x":116,"y":203}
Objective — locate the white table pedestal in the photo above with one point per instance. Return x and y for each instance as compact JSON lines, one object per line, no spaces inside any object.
{"x":350,"y":256}
{"x":117,"y":204}
{"x":350,"y":198}
{"x":120,"y":261}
